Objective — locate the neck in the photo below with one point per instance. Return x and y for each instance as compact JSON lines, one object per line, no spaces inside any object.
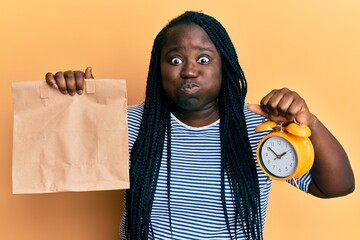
{"x":197,"y":118}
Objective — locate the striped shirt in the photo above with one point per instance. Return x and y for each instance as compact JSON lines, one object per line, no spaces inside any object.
{"x":195,"y":197}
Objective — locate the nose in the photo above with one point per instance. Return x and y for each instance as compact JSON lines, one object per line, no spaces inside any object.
{"x":189,"y":70}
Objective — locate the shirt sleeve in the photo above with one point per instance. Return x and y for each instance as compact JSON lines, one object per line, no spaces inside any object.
{"x":135,"y":113}
{"x":302,"y":182}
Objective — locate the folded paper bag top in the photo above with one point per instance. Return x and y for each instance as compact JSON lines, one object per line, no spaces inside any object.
{"x":70,"y":143}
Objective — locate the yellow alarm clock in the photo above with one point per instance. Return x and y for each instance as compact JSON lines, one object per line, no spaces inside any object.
{"x":286,"y":152}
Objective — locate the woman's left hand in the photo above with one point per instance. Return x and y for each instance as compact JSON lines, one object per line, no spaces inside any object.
{"x":283,"y":106}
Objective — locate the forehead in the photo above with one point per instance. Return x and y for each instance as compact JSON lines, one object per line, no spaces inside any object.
{"x":187,"y":32}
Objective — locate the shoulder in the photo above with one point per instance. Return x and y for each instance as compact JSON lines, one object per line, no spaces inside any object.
{"x":135,"y":113}
{"x":252,"y":117}
{"x":252,"y":120}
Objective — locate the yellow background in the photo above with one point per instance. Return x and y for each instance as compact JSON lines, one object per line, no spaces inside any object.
{"x":310,"y":46}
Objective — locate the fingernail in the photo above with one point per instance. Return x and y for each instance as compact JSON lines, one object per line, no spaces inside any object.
{"x":80,"y":92}
{"x":64,"y":92}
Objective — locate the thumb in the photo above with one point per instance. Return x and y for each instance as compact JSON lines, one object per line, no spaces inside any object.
{"x":256,"y":108}
{"x":88,"y":73}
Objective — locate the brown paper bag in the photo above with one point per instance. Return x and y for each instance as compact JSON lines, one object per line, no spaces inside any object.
{"x":70,"y":143}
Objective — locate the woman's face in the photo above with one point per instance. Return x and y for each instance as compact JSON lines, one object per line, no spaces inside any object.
{"x":190,"y":68}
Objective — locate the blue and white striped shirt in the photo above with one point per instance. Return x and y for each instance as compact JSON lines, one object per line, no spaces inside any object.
{"x":195,"y":197}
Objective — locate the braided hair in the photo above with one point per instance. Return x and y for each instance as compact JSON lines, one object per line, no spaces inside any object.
{"x":237,"y":163}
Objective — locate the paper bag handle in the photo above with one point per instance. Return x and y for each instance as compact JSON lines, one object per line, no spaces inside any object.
{"x":44,"y":90}
{"x":89,"y":88}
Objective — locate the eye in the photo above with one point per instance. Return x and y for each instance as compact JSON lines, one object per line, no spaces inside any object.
{"x":176,"y":61}
{"x":203,"y":60}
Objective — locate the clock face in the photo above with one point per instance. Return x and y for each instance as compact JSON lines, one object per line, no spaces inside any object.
{"x":278,"y":157}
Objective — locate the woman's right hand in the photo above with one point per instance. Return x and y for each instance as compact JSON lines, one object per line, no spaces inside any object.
{"x":69,"y":82}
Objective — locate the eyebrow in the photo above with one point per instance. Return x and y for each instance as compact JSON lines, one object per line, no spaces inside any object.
{"x":178,"y":49}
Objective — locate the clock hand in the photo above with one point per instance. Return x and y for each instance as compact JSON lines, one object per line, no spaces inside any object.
{"x":283,"y":153}
{"x":277,"y":156}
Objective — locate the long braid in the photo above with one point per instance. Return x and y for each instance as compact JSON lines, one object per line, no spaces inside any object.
{"x":236,"y":151}
{"x":146,"y":154}
{"x":237,"y":164}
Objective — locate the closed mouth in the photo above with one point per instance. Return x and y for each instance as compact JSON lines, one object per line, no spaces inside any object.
{"x":190,"y":87}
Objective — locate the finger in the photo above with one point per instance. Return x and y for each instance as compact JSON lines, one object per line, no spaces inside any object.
{"x":88,"y":73}
{"x":60,"y":82}
{"x":70,"y":82}
{"x":278,"y":102}
{"x":256,"y":108}
{"x":79,"y":81}
{"x":296,"y":110}
{"x":49,"y":78}
{"x":286,"y":105}
{"x":270,"y":102}
{"x":290,"y":104}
